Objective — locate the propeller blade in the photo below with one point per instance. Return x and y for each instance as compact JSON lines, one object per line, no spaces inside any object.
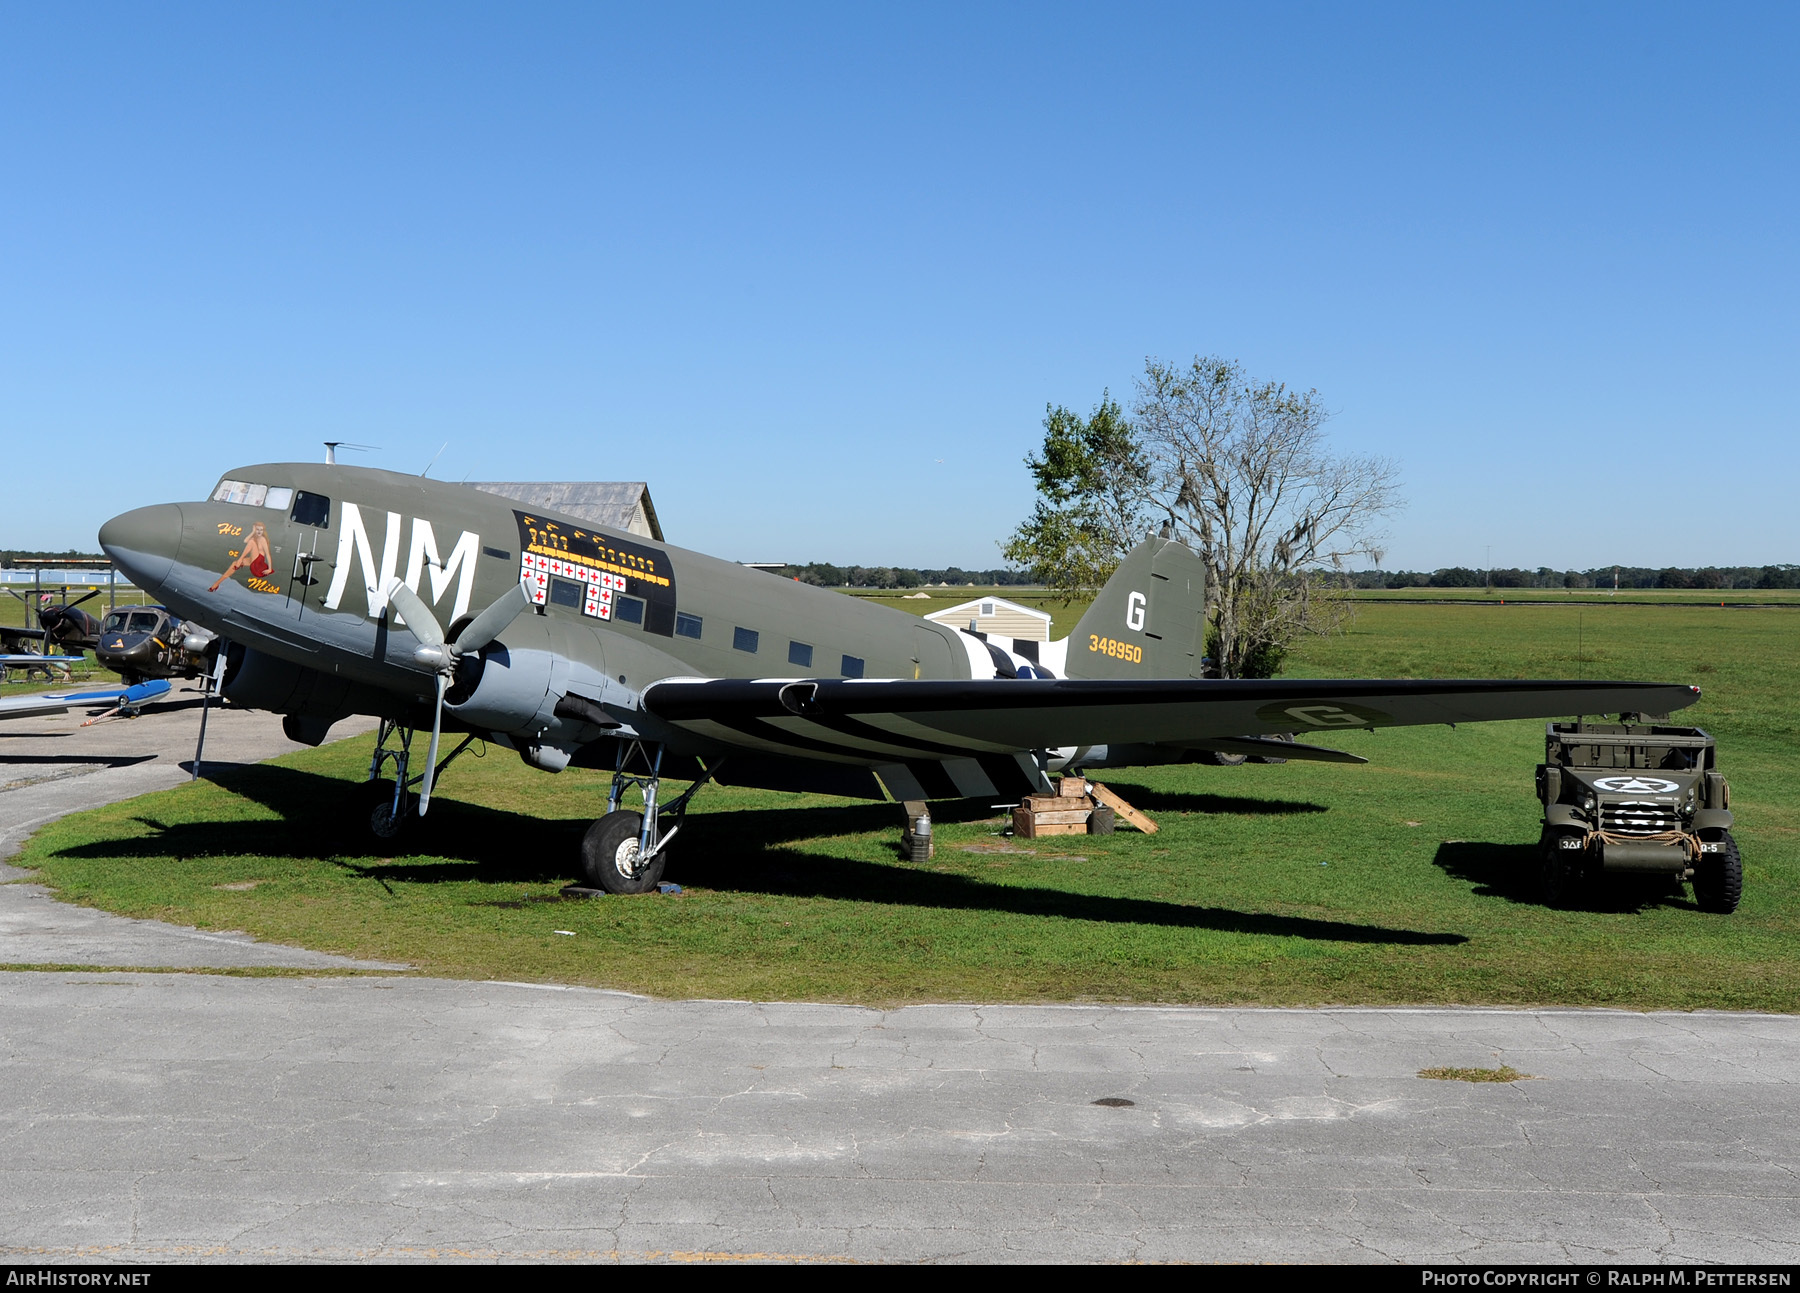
{"x":419,"y":618}
{"x":92,"y":593}
{"x":437,"y":726}
{"x":492,"y":622}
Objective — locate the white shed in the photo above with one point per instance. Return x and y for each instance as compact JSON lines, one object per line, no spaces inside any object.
{"x":997,"y":616}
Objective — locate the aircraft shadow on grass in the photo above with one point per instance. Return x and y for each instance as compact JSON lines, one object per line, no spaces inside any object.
{"x":1510,"y":871}
{"x":754,"y":851}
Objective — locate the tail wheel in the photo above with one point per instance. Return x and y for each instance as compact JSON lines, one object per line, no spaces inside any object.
{"x":1719,"y":877}
{"x":609,"y":855}
{"x":1561,"y":870}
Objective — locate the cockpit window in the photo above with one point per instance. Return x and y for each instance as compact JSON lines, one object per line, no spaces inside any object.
{"x":240,"y":491}
{"x":251,"y":494}
{"x":130,"y":622}
{"x":312,"y":509}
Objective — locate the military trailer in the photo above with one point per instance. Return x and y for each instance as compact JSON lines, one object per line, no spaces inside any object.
{"x":1636,"y":799}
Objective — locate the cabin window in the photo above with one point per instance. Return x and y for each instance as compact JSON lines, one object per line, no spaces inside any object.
{"x":566,"y":592}
{"x":279,"y":497}
{"x":799,"y":653}
{"x":853,"y":668}
{"x":629,"y":609}
{"x":687,"y":626}
{"x":312,"y":509}
{"x":744,"y":639}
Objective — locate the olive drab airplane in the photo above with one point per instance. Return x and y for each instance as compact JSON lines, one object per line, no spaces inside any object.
{"x":346,"y":590}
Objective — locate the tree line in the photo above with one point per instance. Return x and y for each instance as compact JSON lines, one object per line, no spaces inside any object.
{"x":825,"y":575}
{"x":1602,"y":577}
{"x":15,"y":558}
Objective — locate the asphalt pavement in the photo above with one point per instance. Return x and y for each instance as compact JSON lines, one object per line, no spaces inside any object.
{"x":194,"y":1116}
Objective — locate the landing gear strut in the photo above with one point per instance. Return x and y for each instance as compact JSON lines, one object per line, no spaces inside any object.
{"x":391,"y":806}
{"x":625,"y":852}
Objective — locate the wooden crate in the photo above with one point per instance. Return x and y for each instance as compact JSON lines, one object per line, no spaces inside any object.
{"x":1028,"y":825}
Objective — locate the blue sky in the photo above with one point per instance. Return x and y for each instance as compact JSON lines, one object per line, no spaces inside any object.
{"x":780,"y":261}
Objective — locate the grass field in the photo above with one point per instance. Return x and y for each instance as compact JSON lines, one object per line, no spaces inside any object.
{"x":1405,"y":881}
{"x":1572,"y":596}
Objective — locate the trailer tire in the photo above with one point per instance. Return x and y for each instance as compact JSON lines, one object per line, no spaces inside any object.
{"x":1719,"y":877}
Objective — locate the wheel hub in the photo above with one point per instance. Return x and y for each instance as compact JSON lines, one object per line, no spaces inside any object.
{"x":625,"y":858}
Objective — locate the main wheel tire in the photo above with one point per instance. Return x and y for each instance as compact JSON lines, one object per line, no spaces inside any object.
{"x":1220,"y":759}
{"x":609,"y":855}
{"x":1561,"y":871}
{"x":1269,"y":758}
{"x":384,"y":824}
{"x":1719,"y":878}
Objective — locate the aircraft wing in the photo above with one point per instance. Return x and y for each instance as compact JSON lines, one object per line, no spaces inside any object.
{"x":57,"y":702}
{"x":874,"y":719}
{"x":32,"y":660}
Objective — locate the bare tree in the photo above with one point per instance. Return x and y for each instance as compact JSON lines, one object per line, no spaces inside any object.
{"x":1242,"y":470}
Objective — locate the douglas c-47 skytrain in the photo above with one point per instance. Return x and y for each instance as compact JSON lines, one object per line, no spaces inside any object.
{"x":344,"y":590}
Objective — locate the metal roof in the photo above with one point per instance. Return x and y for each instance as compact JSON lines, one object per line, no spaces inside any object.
{"x":617,"y":504}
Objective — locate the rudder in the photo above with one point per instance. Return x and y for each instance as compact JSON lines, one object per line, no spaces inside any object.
{"x":1149,"y":621}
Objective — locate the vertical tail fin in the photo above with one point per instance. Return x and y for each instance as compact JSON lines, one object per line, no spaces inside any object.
{"x":1150,"y":619}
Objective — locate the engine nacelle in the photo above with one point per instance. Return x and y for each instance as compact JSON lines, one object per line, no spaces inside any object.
{"x":508,"y":691}
{"x":256,"y":680}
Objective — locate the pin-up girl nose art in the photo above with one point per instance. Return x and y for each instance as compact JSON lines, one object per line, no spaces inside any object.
{"x":254,"y":556}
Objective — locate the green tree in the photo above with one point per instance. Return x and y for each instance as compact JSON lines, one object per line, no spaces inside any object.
{"x":1093,"y":488}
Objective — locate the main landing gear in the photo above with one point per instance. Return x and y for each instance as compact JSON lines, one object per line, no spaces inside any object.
{"x":392,"y":804}
{"x":624,"y":851}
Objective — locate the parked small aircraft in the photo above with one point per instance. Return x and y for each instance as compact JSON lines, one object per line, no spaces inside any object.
{"x":33,"y":665}
{"x":60,"y":624}
{"x":345,"y":590}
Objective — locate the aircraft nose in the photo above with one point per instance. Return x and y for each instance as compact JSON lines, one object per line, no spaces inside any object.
{"x":143,"y":543}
